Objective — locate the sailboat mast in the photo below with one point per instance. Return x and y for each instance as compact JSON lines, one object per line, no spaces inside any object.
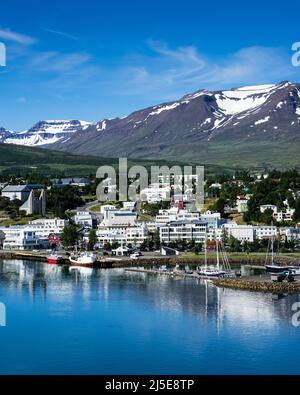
{"x":205,"y":251}
{"x":272,"y":251}
{"x":218,"y":260}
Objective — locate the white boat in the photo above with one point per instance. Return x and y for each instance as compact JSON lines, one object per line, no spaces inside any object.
{"x":84,"y":259}
{"x":216,"y":271}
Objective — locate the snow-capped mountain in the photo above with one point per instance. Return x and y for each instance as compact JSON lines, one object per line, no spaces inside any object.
{"x":203,"y":124}
{"x":4,"y":134}
{"x":45,"y":132}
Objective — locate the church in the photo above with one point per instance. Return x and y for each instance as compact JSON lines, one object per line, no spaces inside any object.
{"x":35,"y":205}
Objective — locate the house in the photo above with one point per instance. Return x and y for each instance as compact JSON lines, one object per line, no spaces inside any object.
{"x":283,"y":215}
{"x":167,"y":251}
{"x":16,"y":192}
{"x":122,"y":251}
{"x":241,"y":204}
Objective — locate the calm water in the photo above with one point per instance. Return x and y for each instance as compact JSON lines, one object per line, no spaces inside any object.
{"x":112,"y":321}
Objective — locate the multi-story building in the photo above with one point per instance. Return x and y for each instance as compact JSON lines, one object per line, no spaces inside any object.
{"x":265,"y":232}
{"x":19,"y":238}
{"x":240,"y":232}
{"x":44,"y":227}
{"x":187,"y":230}
{"x":86,"y":219}
{"x":119,"y":218}
{"x":134,"y":235}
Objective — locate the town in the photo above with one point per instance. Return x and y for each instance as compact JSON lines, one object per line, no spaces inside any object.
{"x":243,"y":211}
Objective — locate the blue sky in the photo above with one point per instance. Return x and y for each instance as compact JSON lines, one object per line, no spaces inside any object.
{"x":94,"y":59}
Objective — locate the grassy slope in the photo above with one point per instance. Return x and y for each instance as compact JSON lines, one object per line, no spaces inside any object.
{"x":17,"y":158}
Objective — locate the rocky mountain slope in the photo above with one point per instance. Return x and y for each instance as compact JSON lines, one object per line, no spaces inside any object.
{"x":254,"y":124}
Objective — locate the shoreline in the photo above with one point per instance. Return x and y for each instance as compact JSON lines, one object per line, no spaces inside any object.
{"x":253,"y":283}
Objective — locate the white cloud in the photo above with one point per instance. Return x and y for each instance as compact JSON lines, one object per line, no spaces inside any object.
{"x":9,"y":35}
{"x":172,"y":72}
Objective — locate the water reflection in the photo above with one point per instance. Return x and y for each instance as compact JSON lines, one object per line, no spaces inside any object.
{"x":189,"y":296}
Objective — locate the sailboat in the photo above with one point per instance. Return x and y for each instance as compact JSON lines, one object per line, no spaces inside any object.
{"x":273,"y":267}
{"x":212,"y":271}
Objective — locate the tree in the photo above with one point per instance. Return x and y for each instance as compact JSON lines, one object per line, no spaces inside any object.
{"x":69,"y":236}
{"x":92,"y":239}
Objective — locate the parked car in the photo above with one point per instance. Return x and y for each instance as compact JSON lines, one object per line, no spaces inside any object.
{"x":135,"y":255}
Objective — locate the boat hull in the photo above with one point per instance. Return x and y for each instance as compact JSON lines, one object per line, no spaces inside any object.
{"x":276,"y":269}
{"x":74,"y":262}
{"x":54,"y":261}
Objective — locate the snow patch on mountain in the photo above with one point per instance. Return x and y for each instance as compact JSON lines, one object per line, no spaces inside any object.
{"x":260,"y":121}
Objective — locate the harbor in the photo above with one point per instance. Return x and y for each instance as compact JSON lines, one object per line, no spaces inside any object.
{"x":135,"y":322}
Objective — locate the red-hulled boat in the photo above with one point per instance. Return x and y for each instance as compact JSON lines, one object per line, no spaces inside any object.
{"x":54,"y":259}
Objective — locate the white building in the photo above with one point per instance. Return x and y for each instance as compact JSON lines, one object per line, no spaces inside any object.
{"x":175,"y":214}
{"x":129,"y":206}
{"x":283,"y":215}
{"x":240,"y":232}
{"x":155,"y":193}
{"x":119,"y":218}
{"x":13,"y":192}
{"x":186,"y":230}
{"x":85,"y":218}
{"x":134,"y":235}
{"x":44,"y":227}
{"x":213,"y":220}
{"x":265,"y":232}
{"x":107,"y":236}
{"x":19,"y":238}
{"x":107,"y":207}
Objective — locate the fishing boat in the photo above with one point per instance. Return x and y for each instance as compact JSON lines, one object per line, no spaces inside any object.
{"x":54,"y":259}
{"x":274,"y":267}
{"x":86,"y":259}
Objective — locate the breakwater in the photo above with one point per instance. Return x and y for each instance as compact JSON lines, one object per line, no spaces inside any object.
{"x":258,"y":286}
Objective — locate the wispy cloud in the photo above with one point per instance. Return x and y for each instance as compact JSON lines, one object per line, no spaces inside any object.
{"x":170,"y":72}
{"x":9,"y":35}
{"x":62,"y":34}
{"x":58,"y":62}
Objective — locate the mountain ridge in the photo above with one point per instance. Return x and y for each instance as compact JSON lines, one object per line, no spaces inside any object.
{"x":203,"y":125}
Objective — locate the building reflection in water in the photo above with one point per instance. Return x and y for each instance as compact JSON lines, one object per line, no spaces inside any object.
{"x":197,"y":297}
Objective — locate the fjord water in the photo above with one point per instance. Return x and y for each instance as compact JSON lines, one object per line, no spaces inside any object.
{"x":118,"y":322}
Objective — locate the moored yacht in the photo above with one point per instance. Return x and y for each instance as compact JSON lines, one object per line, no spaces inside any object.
{"x":274,"y":267}
{"x":216,"y":271}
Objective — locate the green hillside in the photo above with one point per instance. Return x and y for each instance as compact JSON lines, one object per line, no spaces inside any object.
{"x":16,"y":159}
